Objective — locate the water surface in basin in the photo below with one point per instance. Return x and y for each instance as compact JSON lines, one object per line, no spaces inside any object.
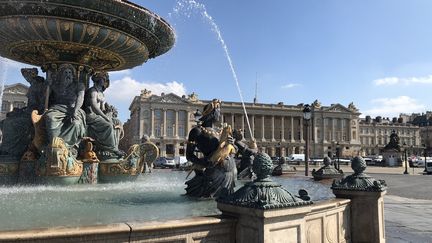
{"x":155,"y":196}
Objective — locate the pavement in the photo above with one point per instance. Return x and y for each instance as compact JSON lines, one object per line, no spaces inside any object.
{"x":407,"y":204}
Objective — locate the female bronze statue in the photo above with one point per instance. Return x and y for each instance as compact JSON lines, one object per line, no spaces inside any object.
{"x":100,"y":126}
{"x":215,"y":171}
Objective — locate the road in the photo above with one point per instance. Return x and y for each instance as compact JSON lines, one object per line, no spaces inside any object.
{"x":407,"y":204}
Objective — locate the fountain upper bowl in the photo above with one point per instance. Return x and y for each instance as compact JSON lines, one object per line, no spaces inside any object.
{"x":105,"y":35}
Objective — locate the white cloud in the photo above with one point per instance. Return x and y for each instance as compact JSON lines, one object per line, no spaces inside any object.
{"x":406,"y":81}
{"x":122,"y":91}
{"x":125,"y":89}
{"x":289,"y":86}
{"x":10,"y":64}
{"x":392,"y":107}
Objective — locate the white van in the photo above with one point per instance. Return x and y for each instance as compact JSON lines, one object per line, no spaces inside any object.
{"x":296,"y":157}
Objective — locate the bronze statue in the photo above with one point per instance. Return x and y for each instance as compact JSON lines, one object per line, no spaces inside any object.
{"x":215,"y":171}
{"x":100,"y":126}
{"x":64,"y":117}
{"x":247,"y":154}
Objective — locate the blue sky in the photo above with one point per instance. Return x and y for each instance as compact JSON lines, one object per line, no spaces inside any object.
{"x":375,"y":53}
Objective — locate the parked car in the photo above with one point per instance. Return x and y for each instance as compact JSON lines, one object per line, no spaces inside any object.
{"x":164,"y":162}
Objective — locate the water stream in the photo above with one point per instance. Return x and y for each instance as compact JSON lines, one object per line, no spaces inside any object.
{"x":186,"y":7}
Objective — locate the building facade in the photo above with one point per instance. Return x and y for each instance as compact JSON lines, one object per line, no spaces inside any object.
{"x":278,"y":129}
{"x":14,"y":96}
{"x":375,"y":134}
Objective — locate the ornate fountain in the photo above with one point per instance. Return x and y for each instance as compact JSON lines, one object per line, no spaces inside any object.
{"x":68,"y":133}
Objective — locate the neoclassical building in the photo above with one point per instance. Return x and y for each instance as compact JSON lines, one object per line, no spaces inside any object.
{"x":14,"y":96}
{"x":375,"y":134}
{"x":278,"y":129}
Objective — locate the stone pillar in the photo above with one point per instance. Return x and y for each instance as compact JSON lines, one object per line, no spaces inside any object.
{"x":263,"y":127}
{"x":164,"y":130}
{"x":323,"y":133}
{"x":367,"y":203}
{"x":301,"y":130}
{"x":176,"y":124}
{"x":232,"y":120}
{"x":333,"y":138}
{"x":252,"y":121}
{"x":282,"y":128}
{"x":292,"y":129}
{"x":152,"y":123}
{"x":243,"y":123}
{"x":272,"y":128}
{"x":265,"y":217}
{"x":11,"y":106}
{"x":350,"y":138}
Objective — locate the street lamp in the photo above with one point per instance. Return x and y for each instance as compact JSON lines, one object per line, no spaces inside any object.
{"x":337,"y":155}
{"x":406,"y":161}
{"x":307,"y":114}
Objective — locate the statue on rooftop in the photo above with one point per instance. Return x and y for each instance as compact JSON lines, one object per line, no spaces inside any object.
{"x":215,"y":171}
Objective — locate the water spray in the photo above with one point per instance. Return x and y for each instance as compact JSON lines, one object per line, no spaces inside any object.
{"x":189,"y":5}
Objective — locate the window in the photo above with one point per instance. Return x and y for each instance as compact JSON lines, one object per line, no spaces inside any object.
{"x":158,"y":123}
{"x":182,"y":121}
{"x":170,"y":120}
{"x":5,"y":106}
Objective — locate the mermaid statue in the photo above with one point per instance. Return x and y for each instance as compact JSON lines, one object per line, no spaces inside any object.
{"x":215,"y":168}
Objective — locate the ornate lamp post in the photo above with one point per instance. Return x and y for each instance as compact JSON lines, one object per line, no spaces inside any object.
{"x":338,"y":155}
{"x":406,"y":161}
{"x":307,"y":114}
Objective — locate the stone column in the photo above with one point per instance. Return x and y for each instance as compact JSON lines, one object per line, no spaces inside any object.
{"x":263,"y":127}
{"x":333,"y":138}
{"x":301,"y":130}
{"x":292,"y":129}
{"x":232,"y":120}
{"x":323,"y":130}
{"x":152,"y":123}
{"x":141,"y":123}
{"x":11,"y":106}
{"x":272,"y":128}
{"x":188,"y":128}
{"x":164,"y":130}
{"x":252,"y":121}
{"x":282,"y":128}
{"x":350,"y":138}
{"x":367,"y":203}
{"x":176,"y":124}
{"x":243,"y":123}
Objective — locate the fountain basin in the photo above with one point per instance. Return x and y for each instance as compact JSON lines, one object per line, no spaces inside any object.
{"x":101,"y":34}
{"x":154,"y":196}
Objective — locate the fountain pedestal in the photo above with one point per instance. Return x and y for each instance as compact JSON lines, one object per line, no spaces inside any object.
{"x":367,"y":203}
{"x":259,"y":225}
